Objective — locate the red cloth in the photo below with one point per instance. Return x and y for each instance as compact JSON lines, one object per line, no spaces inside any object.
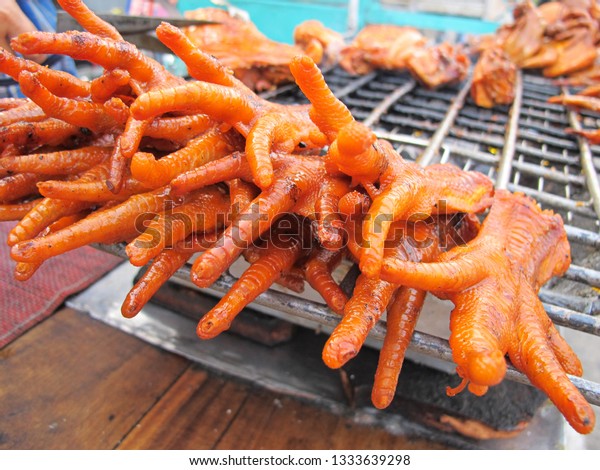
{"x":24,"y":304}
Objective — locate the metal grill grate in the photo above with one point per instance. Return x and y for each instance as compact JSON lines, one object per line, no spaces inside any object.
{"x":522,"y":148}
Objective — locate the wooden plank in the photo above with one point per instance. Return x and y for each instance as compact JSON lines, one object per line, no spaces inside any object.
{"x":75,"y":383}
{"x":202,"y":411}
{"x":288,"y":424}
{"x":348,"y":435}
{"x":193,"y":414}
{"x":280,"y":423}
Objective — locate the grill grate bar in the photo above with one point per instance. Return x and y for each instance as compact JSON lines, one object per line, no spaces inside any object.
{"x":583,"y":274}
{"x":373,"y":95}
{"x":572,"y":319}
{"x":401,"y":138}
{"x":421,"y":342}
{"x":536,"y":94}
{"x":587,"y":163}
{"x":547,"y":139}
{"x":407,"y":122}
{"x":491,"y":140}
{"x":438,"y":137}
{"x":587,"y":306}
{"x":483,"y":115}
{"x":546,"y":155}
{"x":477,"y":155}
{"x":584,"y":237}
{"x":415,"y":109}
{"x":387,"y":102}
{"x":441,"y":95}
{"x":534,"y":103}
{"x":544,"y":128}
{"x":354,"y":85}
{"x":478,"y":125}
{"x":508,"y":151}
{"x":579,"y":207}
{"x":552,"y":175}
{"x":545,"y":116}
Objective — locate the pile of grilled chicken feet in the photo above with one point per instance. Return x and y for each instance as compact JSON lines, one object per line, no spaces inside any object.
{"x":205,"y":167}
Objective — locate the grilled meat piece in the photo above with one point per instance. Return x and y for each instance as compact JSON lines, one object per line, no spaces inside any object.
{"x":573,"y":35}
{"x":547,"y":55}
{"x":577,"y":101}
{"x":525,"y":36}
{"x":317,"y":41}
{"x":259,"y":62}
{"x":574,"y":54}
{"x":379,"y":46}
{"x":493,"y":79}
{"x":439,"y":65}
{"x":593,"y":137}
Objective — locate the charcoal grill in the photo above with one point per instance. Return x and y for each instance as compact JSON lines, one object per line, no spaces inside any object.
{"x":522,"y":147}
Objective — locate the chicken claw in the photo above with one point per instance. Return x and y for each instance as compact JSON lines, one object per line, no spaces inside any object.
{"x":267,"y":126}
{"x":493,"y":282}
{"x":406,"y":191}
